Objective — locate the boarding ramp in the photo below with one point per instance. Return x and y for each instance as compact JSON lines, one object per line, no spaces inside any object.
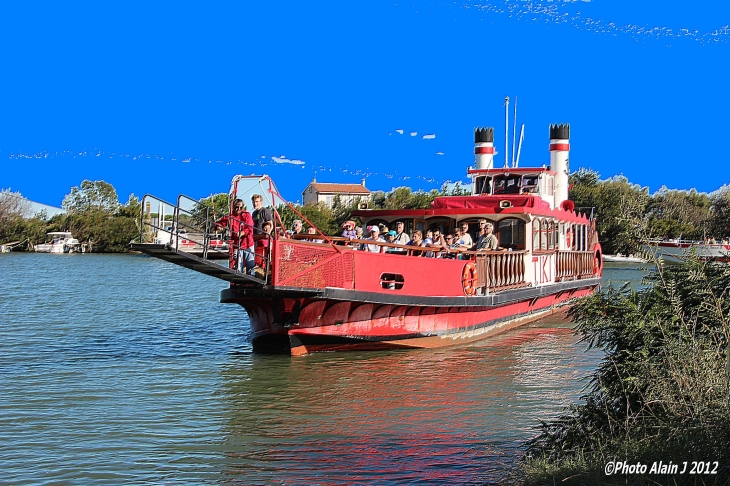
{"x":183,"y":234}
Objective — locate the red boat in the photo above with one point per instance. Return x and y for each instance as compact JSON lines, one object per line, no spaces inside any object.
{"x":331,"y":296}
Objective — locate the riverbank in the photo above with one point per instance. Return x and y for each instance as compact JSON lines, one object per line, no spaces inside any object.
{"x":661,"y":393}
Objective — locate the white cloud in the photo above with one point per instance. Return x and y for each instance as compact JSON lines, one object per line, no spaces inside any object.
{"x":429,"y":136}
{"x":283,"y":160}
{"x":400,"y":131}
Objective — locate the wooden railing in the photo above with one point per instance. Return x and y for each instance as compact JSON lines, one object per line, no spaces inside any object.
{"x":573,"y":265}
{"x":501,"y":270}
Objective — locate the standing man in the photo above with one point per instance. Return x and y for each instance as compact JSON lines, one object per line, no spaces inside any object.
{"x":401,"y":237}
{"x":487,"y":240}
{"x":240,"y":231}
{"x":260,"y":214}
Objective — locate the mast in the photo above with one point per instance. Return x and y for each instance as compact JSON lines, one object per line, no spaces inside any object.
{"x":506,"y":132}
{"x":514,"y":133}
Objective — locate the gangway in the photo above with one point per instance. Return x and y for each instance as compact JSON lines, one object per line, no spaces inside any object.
{"x":193,"y":262}
{"x":160,"y":237}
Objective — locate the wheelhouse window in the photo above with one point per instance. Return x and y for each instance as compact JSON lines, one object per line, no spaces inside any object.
{"x":483,"y":185}
{"x":512,"y":234}
{"x":530,"y":184}
{"x":507,"y":184}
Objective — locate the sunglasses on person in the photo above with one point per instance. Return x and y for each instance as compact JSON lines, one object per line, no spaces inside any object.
{"x":237,"y":207}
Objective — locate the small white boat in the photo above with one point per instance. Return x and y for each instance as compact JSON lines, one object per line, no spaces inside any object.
{"x":60,"y":242}
{"x":620,"y":258}
{"x":677,"y":250}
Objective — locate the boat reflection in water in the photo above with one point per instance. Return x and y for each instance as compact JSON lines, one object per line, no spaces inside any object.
{"x":454,"y":415}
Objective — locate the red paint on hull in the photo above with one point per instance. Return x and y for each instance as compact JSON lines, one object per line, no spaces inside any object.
{"x":310,"y":325}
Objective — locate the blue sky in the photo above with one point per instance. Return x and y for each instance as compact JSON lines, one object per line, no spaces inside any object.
{"x":168,"y":98}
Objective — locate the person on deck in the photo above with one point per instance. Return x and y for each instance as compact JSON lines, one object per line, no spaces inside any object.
{"x":263,"y":244}
{"x":313,"y":231}
{"x":296,"y":227}
{"x":348,"y":230}
{"x":374,"y":236}
{"x":260,"y":214}
{"x":465,"y":239}
{"x":416,"y":241}
{"x":240,"y":231}
{"x":401,"y":237}
{"x":487,"y":240}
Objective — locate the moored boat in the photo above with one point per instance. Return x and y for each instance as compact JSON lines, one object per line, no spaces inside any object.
{"x":59,"y":242}
{"x":330,"y":296}
{"x":676,"y":250}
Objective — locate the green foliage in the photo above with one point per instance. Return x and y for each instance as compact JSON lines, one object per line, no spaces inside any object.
{"x":661,"y":391}
{"x":673,"y":213}
{"x":616,"y":202}
{"x":94,"y":215}
{"x":91,"y":196}
{"x":719,"y":223}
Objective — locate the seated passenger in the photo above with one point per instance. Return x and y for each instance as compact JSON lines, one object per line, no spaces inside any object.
{"x":401,"y":237}
{"x":451,"y":243}
{"x":416,"y":241}
{"x":464,"y":237}
{"x":313,"y":231}
{"x":374,"y":236}
{"x":348,"y":230}
{"x":390,"y":238}
{"x":428,"y":241}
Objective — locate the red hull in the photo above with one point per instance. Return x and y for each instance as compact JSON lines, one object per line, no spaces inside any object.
{"x":304,"y":325}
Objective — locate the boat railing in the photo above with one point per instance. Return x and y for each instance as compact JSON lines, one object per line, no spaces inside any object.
{"x":574,"y":265}
{"x":500,"y":270}
{"x":187,"y":230}
{"x":308,"y":264}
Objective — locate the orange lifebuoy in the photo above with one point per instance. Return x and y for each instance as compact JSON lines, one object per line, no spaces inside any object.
{"x":469,"y":278}
{"x":597,"y":260}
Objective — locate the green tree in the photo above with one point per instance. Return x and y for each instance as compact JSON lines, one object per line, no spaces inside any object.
{"x":91,"y":196}
{"x":674,"y":213}
{"x":616,"y":201}
{"x":719,"y":223}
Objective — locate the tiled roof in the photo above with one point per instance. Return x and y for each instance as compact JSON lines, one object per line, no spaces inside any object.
{"x":324,"y":188}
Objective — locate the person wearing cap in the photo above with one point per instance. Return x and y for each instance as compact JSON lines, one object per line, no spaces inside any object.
{"x":401,"y":237}
{"x":390,"y":238}
{"x":348,"y":230}
{"x":374,"y":236}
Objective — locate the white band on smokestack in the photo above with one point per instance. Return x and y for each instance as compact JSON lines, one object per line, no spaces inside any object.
{"x":483,"y":148}
{"x":559,"y":151}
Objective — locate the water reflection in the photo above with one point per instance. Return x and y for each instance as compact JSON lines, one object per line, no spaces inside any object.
{"x":457,"y":415}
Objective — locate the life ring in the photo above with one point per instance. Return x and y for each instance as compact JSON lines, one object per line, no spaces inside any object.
{"x":469,"y":278}
{"x":597,"y":260}
{"x":568,"y":239}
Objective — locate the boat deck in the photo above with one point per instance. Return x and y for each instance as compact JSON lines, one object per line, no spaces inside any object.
{"x":197,"y":263}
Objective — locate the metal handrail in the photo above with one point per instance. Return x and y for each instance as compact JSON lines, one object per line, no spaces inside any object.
{"x":193,"y":224}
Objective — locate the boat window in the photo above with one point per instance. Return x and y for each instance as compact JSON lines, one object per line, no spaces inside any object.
{"x":512,"y":234}
{"x":536,"y":224}
{"x":529,"y":184}
{"x":507,"y":184}
{"x":556,"y":235}
{"x":549,"y":235}
{"x":483,"y":185}
{"x":393,"y":281}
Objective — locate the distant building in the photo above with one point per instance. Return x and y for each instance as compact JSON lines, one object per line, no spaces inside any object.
{"x":317,"y":192}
